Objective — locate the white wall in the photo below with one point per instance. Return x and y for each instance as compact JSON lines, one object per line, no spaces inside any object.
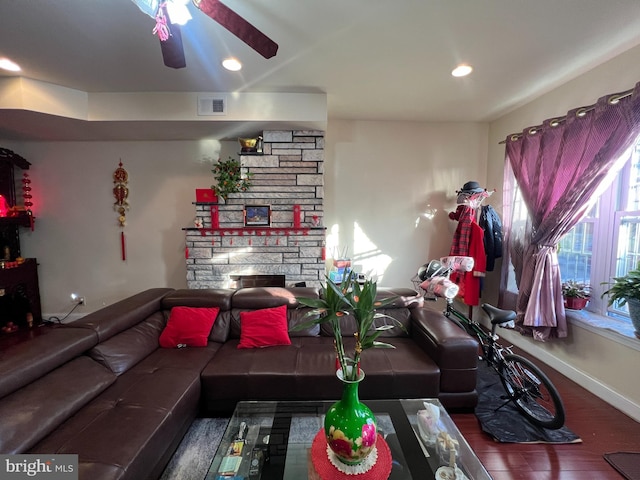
{"x":601,"y":365}
{"x":77,"y":237}
{"x":379,"y":178}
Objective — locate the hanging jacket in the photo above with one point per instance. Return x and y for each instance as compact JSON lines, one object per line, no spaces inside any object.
{"x":468,"y":242}
{"x":492,"y":226}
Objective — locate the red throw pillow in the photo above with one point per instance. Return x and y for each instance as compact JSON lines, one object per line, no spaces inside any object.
{"x":264,"y":328}
{"x":188,"y":326}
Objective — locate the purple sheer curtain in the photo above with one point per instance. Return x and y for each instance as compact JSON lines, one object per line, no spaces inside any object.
{"x":560,"y":170}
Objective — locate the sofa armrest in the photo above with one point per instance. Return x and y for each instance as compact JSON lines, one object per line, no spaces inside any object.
{"x":447,"y":344}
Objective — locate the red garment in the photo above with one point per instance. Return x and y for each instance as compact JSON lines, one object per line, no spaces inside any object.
{"x":468,"y":241}
{"x":461,"y":238}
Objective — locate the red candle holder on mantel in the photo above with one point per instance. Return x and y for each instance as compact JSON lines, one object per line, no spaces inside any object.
{"x":322,"y":468}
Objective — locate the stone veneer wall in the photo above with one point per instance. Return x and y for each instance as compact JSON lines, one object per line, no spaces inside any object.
{"x":288,"y":173}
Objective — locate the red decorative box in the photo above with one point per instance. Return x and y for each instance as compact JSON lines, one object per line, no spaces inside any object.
{"x":205,"y":195}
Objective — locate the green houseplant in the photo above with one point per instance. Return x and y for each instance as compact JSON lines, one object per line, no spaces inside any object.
{"x":350,"y":426}
{"x":229,"y":178}
{"x":576,"y":294}
{"x":626,"y":290}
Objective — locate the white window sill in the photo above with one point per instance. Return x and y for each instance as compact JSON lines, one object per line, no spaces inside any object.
{"x":612,"y":329}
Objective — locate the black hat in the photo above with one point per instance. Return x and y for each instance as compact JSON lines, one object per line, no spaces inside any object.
{"x":472,"y":187}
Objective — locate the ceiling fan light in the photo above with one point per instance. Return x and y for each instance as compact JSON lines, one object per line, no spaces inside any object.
{"x":178,"y":11}
{"x":7,"y":64}
{"x":232,"y":64}
{"x":462,"y":70}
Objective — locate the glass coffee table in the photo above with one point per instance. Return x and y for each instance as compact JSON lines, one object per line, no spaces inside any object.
{"x":273,"y":440}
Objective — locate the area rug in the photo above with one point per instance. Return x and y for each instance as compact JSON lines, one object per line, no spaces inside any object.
{"x":196,"y":451}
{"x":626,"y":463}
{"x":508,"y":425}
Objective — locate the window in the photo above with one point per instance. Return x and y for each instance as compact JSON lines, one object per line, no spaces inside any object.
{"x":606,"y":243}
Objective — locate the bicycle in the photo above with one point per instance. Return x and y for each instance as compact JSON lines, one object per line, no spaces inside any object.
{"x":526,"y":385}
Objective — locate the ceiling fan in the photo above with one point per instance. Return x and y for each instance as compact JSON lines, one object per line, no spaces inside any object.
{"x":171,"y":37}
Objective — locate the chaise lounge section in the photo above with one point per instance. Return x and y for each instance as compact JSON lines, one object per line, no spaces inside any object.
{"x":103,"y":388}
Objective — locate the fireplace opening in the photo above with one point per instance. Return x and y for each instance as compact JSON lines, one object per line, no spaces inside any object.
{"x":246,"y":281}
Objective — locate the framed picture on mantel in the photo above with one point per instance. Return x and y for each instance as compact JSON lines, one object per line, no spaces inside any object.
{"x":257,"y":215}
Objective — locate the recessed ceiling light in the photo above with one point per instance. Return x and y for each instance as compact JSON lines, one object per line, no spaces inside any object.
{"x":232,"y":64}
{"x":462,"y":70}
{"x":7,"y":64}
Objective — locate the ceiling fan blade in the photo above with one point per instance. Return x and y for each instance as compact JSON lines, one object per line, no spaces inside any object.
{"x":239,"y":27}
{"x":172,"y":50}
{"x":170,"y":40}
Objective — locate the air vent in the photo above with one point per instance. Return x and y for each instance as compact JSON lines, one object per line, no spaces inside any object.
{"x":212,"y":105}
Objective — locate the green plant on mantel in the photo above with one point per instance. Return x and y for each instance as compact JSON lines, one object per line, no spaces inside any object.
{"x":229,"y":178}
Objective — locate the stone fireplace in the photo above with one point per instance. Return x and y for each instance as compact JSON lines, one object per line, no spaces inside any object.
{"x":288,"y":178}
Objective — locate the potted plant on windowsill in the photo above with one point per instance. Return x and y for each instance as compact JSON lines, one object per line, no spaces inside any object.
{"x":576,"y":294}
{"x":626,"y":290}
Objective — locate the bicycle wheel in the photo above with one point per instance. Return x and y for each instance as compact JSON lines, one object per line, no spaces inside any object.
{"x":532,"y":392}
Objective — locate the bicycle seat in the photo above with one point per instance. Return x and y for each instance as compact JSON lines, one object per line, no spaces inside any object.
{"x":497,"y":315}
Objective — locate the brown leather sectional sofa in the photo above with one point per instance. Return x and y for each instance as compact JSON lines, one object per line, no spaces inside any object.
{"x":102,"y":388}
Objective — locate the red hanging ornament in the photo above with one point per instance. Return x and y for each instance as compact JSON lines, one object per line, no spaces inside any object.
{"x":215,"y":219}
{"x":121,"y":205}
{"x":26,"y":189}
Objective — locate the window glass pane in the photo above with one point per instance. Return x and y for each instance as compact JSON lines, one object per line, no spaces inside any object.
{"x":628,"y":253}
{"x":574,"y":253}
{"x":629,"y":245}
{"x":633,"y":186}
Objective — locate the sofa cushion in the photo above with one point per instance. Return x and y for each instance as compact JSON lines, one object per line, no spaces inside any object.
{"x":396,"y":314}
{"x":118,"y":317}
{"x":266,"y":327}
{"x":50,"y":347}
{"x":31,"y":413}
{"x":123,"y":351}
{"x":127,"y":429}
{"x":305,"y":370}
{"x":205,"y":297}
{"x":269,"y":297}
{"x":188,"y":326}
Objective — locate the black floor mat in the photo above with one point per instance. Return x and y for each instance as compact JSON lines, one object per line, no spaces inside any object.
{"x":627,"y":463}
{"x":508,"y":425}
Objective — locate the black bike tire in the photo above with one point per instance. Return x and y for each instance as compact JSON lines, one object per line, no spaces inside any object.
{"x":551,"y":420}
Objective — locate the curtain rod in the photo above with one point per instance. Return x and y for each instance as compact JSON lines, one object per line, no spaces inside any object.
{"x":581,"y":112}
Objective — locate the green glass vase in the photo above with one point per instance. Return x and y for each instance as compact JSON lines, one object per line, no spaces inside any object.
{"x":349,"y":425}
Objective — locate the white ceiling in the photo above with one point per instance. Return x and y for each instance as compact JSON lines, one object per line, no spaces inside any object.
{"x":374,"y":59}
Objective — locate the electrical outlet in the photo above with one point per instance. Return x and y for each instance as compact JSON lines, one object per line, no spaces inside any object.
{"x":77,"y":299}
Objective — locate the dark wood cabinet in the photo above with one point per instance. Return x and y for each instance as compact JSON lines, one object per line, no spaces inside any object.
{"x":20,"y":295}
{"x":19,"y":290}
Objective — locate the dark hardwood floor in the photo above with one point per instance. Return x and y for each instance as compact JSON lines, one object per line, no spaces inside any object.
{"x":602,"y":428}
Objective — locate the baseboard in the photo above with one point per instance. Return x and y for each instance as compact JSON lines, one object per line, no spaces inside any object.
{"x":593,"y":385}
